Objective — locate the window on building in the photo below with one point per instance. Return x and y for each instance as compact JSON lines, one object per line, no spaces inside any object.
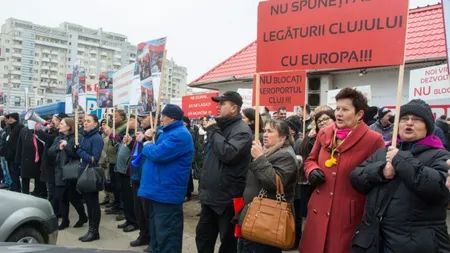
{"x":17,"y":101}
{"x":49,"y":101}
{"x":29,"y":78}
{"x":70,"y":43}
{"x":7,"y":50}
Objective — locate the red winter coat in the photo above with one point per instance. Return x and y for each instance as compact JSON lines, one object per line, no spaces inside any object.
{"x":335,"y":208}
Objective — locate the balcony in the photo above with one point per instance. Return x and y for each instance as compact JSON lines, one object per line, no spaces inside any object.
{"x":117,"y":63}
{"x":54,"y":61}
{"x":17,"y":64}
{"x":132,"y":59}
{"x":45,"y":67}
{"x":103,"y":69}
{"x":51,"y":44}
{"x":103,"y":54}
{"x":16,"y":72}
{"x":92,"y":67}
{"x":93,"y":52}
{"x":93,"y":59}
{"x":45,"y":51}
{"x":117,"y":56}
{"x":55,"y":53}
{"x":80,"y":49}
{"x":44,"y":84}
{"x":45,"y":59}
{"x":53,"y":84}
{"x":54,"y":69}
{"x":17,"y":55}
{"x":44,"y":76}
{"x":53,"y":77}
{"x":17,"y":38}
{"x":80,"y":57}
{"x":103,"y":61}
{"x":17,"y":46}
{"x":15,"y":81}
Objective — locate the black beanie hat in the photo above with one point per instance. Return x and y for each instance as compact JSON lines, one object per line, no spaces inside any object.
{"x":419,"y":108}
{"x":14,"y":115}
{"x":382,"y":112}
{"x":173,"y":112}
{"x":294,"y":122}
{"x":186,"y":120}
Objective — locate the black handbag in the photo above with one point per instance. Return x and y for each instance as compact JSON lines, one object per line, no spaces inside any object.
{"x":71,"y":169}
{"x":92,"y":179}
{"x":367,"y":236}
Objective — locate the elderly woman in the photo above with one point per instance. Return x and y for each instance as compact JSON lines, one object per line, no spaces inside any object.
{"x":275,"y":157}
{"x":335,"y":208}
{"x":407,"y":199}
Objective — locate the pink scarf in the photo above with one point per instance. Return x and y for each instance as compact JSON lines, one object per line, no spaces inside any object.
{"x":341,"y":134}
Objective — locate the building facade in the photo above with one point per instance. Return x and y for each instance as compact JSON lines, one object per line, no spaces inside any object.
{"x":37,"y":59}
{"x":175,"y":82}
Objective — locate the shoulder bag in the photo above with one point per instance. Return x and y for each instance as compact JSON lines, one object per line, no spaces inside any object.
{"x":71,"y":169}
{"x":270,"y":222}
{"x":92,"y":179}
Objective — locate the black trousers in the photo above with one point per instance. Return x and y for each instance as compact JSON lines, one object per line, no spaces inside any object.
{"x":142,"y":213}
{"x":69,"y":194}
{"x":53,"y":197}
{"x":190,"y":187}
{"x":14,"y":171}
{"x":40,"y":188}
{"x":212,"y":224}
{"x":115,"y":184}
{"x":127,"y":197}
{"x":93,"y":209}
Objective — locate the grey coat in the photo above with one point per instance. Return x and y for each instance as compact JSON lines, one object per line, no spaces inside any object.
{"x":261,"y":174}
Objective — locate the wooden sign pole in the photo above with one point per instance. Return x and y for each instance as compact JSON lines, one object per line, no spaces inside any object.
{"x":114,"y":122}
{"x":76,"y":127}
{"x":257,"y":102}
{"x":136,"y":126}
{"x":304,"y":106}
{"x":398,"y":104}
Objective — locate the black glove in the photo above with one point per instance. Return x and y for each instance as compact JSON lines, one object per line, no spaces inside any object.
{"x":316,"y":177}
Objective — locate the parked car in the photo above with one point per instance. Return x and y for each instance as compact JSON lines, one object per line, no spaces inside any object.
{"x":30,"y":248}
{"x":26,"y":219}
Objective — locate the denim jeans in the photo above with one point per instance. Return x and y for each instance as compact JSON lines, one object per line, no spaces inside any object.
{"x":6,"y":177}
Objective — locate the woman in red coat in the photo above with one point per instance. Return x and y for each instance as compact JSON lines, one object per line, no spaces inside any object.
{"x":335,"y":208}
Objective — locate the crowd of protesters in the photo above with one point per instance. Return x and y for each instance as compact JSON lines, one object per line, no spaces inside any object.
{"x":350,"y":190}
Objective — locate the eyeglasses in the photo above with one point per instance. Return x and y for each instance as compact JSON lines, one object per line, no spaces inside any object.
{"x":414,"y":119}
{"x":323,"y":120}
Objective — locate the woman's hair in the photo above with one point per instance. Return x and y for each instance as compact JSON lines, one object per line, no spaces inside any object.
{"x":282,"y":128}
{"x":322,"y":108}
{"x":357,"y":98}
{"x":319,"y":114}
{"x":250,"y":113}
{"x":94,"y":117}
{"x":71,"y":123}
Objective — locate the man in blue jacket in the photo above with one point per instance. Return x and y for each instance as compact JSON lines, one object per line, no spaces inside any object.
{"x":165,"y":175}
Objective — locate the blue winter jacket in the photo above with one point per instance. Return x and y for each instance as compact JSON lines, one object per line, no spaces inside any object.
{"x":90,"y":146}
{"x":165,"y":173}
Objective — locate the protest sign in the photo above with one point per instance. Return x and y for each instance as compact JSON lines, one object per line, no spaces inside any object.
{"x":247,"y":95}
{"x":105,"y":92}
{"x":199,"y":105}
{"x":122,"y":81}
{"x":148,"y":66}
{"x":282,"y":89}
{"x":366,"y":90}
{"x":430,"y":83}
{"x":324,"y":34}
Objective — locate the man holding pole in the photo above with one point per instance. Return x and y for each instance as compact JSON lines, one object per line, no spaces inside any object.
{"x":225,"y":172}
{"x":165,"y":175}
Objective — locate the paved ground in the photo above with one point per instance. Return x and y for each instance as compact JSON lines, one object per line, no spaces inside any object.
{"x":115,"y":239}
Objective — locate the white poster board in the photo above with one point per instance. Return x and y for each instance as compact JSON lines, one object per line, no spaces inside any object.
{"x":430,"y":83}
{"x":122,"y":81}
{"x":365,"y":90}
{"x":247,"y":95}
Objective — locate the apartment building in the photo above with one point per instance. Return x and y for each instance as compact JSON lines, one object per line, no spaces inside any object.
{"x":175,"y":81}
{"x":39,"y":57}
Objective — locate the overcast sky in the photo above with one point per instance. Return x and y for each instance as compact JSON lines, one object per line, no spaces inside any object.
{"x":201,"y":33}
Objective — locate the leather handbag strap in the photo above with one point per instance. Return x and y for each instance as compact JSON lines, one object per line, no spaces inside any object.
{"x":280,"y":189}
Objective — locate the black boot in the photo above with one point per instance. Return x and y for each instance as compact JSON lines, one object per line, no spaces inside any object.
{"x":64,"y":224}
{"x":93,"y":235}
{"x":81,"y":222}
{"x":81,"y":238}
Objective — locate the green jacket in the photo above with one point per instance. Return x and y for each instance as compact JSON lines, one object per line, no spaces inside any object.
{"x":112,"y":147}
